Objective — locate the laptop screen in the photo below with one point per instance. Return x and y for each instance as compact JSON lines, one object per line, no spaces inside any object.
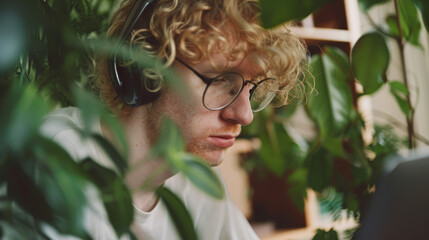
{"x":400,"y":206}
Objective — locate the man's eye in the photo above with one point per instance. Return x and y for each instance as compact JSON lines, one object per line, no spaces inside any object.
{"x":220,"y":81}
{"x":232,"y":92}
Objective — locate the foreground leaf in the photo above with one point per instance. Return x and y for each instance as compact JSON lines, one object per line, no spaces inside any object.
{"x":170,"y":146}
{"x":22,"y":189}
{"x":115,"y":195}
{"x":179,"y":214}
{"x":117,"y":159}
{"x":92,"y":111}
{"x":20,"y":123}
{"x":63,"y":183}
{"x":201,"y":175}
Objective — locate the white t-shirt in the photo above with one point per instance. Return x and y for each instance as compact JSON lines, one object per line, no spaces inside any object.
{"x":213,"y":219}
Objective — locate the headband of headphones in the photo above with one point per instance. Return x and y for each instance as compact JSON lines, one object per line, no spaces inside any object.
{"x":128,"y":81}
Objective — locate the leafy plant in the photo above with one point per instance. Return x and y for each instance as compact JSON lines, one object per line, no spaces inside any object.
{"x":50,"y":51}
{"x":338,"y":158}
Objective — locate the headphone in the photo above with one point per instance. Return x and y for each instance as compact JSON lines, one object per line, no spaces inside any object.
{"x":131,"y":86}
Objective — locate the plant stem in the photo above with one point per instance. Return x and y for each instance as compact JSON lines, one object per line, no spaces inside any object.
{"x":400,"y":125}
{"x":410,"y":118}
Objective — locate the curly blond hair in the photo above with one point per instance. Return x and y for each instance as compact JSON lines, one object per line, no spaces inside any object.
{"x":197,"y":29}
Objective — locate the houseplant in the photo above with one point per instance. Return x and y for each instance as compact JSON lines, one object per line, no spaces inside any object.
{"x":338,"y":159}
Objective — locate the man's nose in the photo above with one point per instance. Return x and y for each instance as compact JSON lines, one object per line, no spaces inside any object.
{"x":239,"y":111}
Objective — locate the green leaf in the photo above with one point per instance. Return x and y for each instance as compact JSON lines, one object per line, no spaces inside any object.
{"x":22,"y":189}
{"x":392,"y":23}
{"x":170,"y":146}
{"x":332,"y":106}
{"x":115,"y":195}
{"x":399,"y":91}
{"x":170,"y":140}
{"x":280,"y":149}
{"x":423,"y":5}
{"x":141,"y":57}
{"x":298,"y":187}
{"x":274,"y":12}
{"x":92,"y":111}
{"x":22,"y":112}
{"x":115,"y":127}
{"x":365,"y":5}
{"x":12,"y":44}
{"x":398,"y":86}
{"x":320,"y":169}
{"x":370,"y":59}
{"x":287,"y":111}
{"x":325,"y":235}
{"x":120,"y":163}
{"x":410,"y":22}
{"x":341,"y":60}
{"x":179,"y":214}
{"x":63,"y":183}
{"x":334,"y":146}
{"x":200,"y":174}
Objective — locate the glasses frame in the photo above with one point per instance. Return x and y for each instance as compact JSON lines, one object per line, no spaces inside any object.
{"x":208,"y":81}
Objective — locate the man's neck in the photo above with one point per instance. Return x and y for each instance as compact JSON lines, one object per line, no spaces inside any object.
{"x":145,"y":174}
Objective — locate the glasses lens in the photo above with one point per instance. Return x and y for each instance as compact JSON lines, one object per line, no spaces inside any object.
{"x":222,"y":90}
{"x":264,"y":94}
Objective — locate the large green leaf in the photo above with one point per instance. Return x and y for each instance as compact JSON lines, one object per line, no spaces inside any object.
{"x":115,"y":195}
{"x":170,"y":146}
{"x":370,"y":59}
{"x":332,"y":105}
{"x":181,"y":218}
{"x":92,"y":111}
{"x":200,"y":174}
{"x":22,"y":111}
{"x":170,"y":140}
{"x":410,"y":22}
{"x":341,"y":60}
{"x":423,"y":5}
{"x":63,"y":183}
{"x":365,"y":5}
{"x":119,"y":161}
{"x":274,"y":12}
{"x":23,"y":190}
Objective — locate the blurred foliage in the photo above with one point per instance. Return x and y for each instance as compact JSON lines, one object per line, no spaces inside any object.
{"x":337,"y":163}
{"x":48,"y":61}
{"x":325,"y":235}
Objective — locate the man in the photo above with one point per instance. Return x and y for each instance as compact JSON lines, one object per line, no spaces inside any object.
{"x":230,"y":66}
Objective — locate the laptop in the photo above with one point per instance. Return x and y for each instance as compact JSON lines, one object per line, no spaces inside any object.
{"x":400,"y":207}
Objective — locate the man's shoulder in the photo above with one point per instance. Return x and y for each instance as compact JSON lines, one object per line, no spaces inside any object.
{"x":63,"y":127}
{"x":61,"y":120}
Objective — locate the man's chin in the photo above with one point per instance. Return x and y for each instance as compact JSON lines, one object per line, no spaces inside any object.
{"x":212,"y":158}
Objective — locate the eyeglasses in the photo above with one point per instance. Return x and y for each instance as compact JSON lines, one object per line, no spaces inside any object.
{"x":223,"y":89}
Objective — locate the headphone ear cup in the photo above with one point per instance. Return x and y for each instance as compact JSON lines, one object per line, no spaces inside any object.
{"x":129,"y":90}
{"x":133,"y":90}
